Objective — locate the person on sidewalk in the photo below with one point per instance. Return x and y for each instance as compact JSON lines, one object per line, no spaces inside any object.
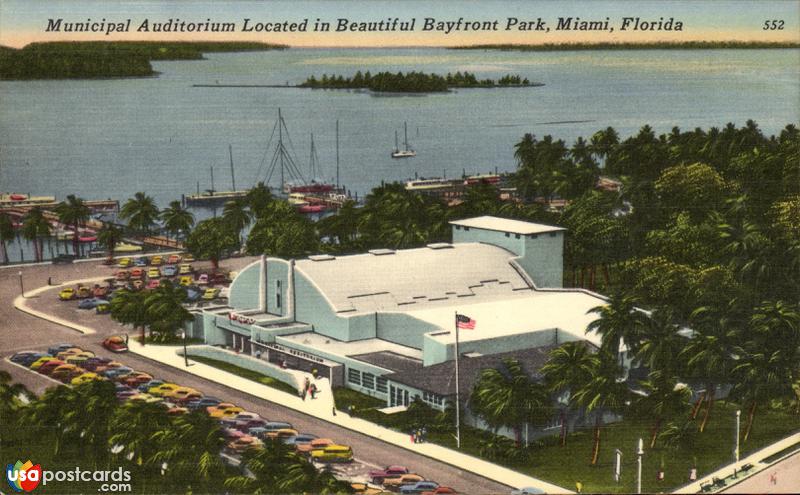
{"x":334,"y":410}
{"x":313,"y":389}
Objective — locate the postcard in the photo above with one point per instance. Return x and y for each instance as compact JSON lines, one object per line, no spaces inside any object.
{"x":473,"y":247}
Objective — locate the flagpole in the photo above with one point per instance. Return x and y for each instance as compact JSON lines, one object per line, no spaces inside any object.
{"x":458,"y":402}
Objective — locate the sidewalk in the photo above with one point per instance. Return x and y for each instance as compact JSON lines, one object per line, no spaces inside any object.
{"x":21,"y":303}
{"x":322,"y":408}
{"x":755,"y":459}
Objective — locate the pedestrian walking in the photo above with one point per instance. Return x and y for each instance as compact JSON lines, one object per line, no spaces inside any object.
{"x":579,"y":487}
{"x":424,"y":434}
{"x":693,"y":474}
{"x":126,"y":339}
{"x":773,"y":478}
{"x":334,"y":410}
{"x":313,"y":389}
{"x":303,"y":395}
{"x":351,"y":409}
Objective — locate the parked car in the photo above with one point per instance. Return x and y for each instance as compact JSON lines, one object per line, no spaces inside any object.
{"x":169,"y":271}
{"x":179,"y":393}
{"x":107,"y":366}
{"x":247,"y":425}
{"x":26,"y":358}
{"x":117,"y":373}
{"x":394,"y":484}
{"x":146,"y":398}
{"x":125,"y":262}
{"x":177,"y":411}
{"x":92,"y":363}
{"x":185,"y":281}
{"x":91,"y":303}
{"x":188,"y":258}
{"x":240,"y":445}
{"x":66,"y":294}
{"x":153,"y":283}
{"x":63,"y":355}
{"x":63,"y":259}
{"x":202,"y":403}
{"x":282,"y":434}
{"x":319,"y":443}
{"x":103,"y":308}
{"x":137,"y":274}
{"x":122,"y":275}
{"x":333,"y":453}
{"x":83,"y":292}
{"x":147,"y":386}
{"x":174,"y":259}
{"x":80,"y":358}
{"x":240,"y":419}
{"x":193,"y":294}
{"x":210,"y":294}
{"x":379,"y":475}
{"x":157,"y":260}
{"x":202,"y":279}
{"x":419,"y":487}
{"x":185,"y":269}
{"x":231,"y":434}
{"x":136,"y":378}
{"x":219,"y":411}
{"x":153,"y":272}
{"x":441,"y":490}
{"x":141,"y":261}
{"x":115,"y":343}
{"x":160,"y":390}
{"x":85,"y":378}
{"x":127,"y":394}
{"x":218,"y":278}
{"x":100,"y":291}
{"x":66,"y":372}
{"x":54,"y":350}
{"x":186,"y":399}
{"x":137,"y":285}
{"x":36,"y":365}
{"x":300,"y":438}
{"x":528,"y":490}
{"x":50,"y":366}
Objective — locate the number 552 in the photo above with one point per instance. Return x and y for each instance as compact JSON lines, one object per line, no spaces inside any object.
{"x":773,"y":25}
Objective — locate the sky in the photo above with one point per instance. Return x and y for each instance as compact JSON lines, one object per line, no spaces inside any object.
{"x":25,"y":21}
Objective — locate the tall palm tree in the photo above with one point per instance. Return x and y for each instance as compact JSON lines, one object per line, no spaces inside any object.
{"x":508,"y":397}
{"x":141,"y":213}
{"x":128,"y":308}
{"x":661,"y":344}
{"x":165,"y":310}
{"x":237,"y":215}
{"x":618,"y":321}
{"x":568,"y":368}
{"x":177,"y":219}
{"x":35,"y":228}
{"x":259,"y":199}
{"x":6,"y":234}
{"x":759,"y":377}
{"x":49,"y":415}
{"x":109,"y":236}
{"x":73,"y":212}
{"x":91,"y":415}
{"x":604,"y":392}
{"x":666,"y":399}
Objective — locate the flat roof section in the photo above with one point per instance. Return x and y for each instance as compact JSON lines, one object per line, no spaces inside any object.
{"x":506,"y":225}
{"x":348,"y":349}
{"x":391,"y":361}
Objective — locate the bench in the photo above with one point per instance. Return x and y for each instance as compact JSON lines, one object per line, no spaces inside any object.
{"x":747,"y":467}
{"x":707,"y":486}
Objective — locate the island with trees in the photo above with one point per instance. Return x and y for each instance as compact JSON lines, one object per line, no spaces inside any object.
{"x":100,"y":60}
{"x":660,"y":45}
{"x":413,"y":82}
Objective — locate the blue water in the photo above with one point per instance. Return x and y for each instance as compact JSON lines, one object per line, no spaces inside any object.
{"x":111,"y":138}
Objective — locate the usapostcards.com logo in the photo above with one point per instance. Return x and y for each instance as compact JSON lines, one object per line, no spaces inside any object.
{"x":25,"y":477}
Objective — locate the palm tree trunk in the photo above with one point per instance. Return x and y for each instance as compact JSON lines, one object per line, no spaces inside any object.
{"x":563,"y":427}
{"x":710,"y":402}
{"x":606,"y":276}
{"x":592,"y":274}
{"x":215,"y":263}
{"x":596,"y":448}
{"x":75,"y":245}
{"x":654,"y":432}
{"x":750,"y":417}
{"x":697,"y":404}
{"x":583,"y":276}
{"x":142,"y":335}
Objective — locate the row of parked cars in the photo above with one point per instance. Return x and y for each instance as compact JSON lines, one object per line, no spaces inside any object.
{"x":155,"y":260}
{"x":242,"y":429}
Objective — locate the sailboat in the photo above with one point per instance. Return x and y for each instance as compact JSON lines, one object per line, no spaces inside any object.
{"x":406,"y":152}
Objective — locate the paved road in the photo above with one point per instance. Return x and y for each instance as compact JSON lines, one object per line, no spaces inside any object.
{"x":19,"y":331}
{"x":785,"y":474}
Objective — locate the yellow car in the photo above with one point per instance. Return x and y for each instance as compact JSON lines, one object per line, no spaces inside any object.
{"x":145,"y":398}
{"x":153,"y":273}
{"x":185,"y":268}
{"x":66,"y":294}
{"x":227,"y":412}
{"x":210,"y":294}
{"x":333,"y":453}
{"x":86,"y":377}
{"x":178,"y":393}
{"x":157,"y":260}
{"x":39,"y":362}
{"x":125,"y":262}
{"x":188,"y":258}
{"x":80,"y":357}
{"x":161,"y":390}
{"x":72,"y":351}
{"x":186,"y":280}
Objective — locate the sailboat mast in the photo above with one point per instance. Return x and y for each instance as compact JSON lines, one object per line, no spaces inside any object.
{"x":212,"y":180}
{"x":280,"y":145}
{"x":233,"y":177}
{"x":312,"y":164}
{"x":405,"y":135}
{"x":337,"y":154}
{"x":396,"y":143}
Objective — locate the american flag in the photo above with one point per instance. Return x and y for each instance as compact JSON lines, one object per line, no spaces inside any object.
{"x":464,"y":322}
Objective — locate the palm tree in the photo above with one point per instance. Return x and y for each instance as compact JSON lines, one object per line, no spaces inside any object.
{"x":140,"y":212}
{"x":603,"y":392}
{"x":128,"y":308}
{"x":665,"y":399}
{"x":165,"y":310}
{"x":237,"y":216}
{"x":258,"y":199}
{"x":568,"y":368}
{"x":618,"y":321}
{"x":211,"y":239}
{"x":661,"y":344}
{"x":6,"y":234}
{"x":73,"y":212}
{"x":508,"y":397}
{"x":91,"y":415}
{"x":760,"y":377}
{"x":35,"y":228}
{"x":109,"y":236}
{"x":49,"y":415}
{"x":177,"y":219}
{"x":11,"y":398}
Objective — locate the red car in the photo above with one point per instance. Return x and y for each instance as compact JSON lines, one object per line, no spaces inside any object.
{"x":386,"y":473}
{"x":50,"y":366}
{"x":115,"y":344}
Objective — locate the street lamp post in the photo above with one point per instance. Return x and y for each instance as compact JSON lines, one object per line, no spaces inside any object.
{"x":185,"y":352}
{"x":736,"y":450}
{"x":21,"y":287}
{"x":639,"y":453}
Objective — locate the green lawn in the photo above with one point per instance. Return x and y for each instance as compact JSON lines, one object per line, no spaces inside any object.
{"x":565,"y":465}
{"x":245,"y":373}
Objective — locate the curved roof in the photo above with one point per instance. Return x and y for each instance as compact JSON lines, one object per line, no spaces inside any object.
{"x":409,"y":279}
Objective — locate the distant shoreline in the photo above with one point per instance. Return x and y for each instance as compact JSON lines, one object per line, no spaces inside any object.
{"x":682,"y":45}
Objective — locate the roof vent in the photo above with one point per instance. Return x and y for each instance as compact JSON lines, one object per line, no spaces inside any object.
{"x":381,"y":252}
{"x":440,"y":245}
{"x":321,"y":257}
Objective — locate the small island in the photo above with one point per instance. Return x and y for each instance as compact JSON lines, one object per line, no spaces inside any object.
{"x":413,"y":82}
{"x":100,"y":60}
